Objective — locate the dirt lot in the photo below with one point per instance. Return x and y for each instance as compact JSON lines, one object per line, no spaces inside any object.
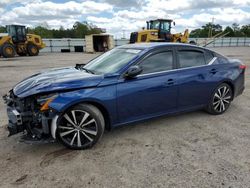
{"x":188,"y":150}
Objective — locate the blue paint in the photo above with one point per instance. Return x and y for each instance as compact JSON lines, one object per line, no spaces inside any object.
{"x":143,"y":97}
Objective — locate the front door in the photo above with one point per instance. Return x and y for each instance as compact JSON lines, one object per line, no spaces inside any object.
{"x":154,"y":92}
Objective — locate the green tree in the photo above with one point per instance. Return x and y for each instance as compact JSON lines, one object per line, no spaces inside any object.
{"x":43,"y":32}
{"x":79,"y":30}
{"x":234,"y":31}
{"x":195,"y":33}
{"x":245,"y":29}
{"x":230,"y":31}
{"x":3,"y":29}
{"x":235,"y":27}
{"x":237,"y":30}
{"x":204,"y":30}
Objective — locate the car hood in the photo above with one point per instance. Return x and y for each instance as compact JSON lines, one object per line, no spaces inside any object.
{"x":56,"y":80}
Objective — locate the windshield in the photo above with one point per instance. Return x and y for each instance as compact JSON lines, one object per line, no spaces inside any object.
{"x":154,"y":25}
{"x":111,"y":61}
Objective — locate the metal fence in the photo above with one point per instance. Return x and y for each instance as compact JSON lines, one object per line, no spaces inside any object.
{"x":56,"y":45}
{"x":223,"y":42}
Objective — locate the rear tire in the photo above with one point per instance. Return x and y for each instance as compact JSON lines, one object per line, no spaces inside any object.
{"x":32,"y":50}
{"x":80,"y":127}
{"x":7,"y":50}
{"x":220,"y":99}
{"x":192,"y":42}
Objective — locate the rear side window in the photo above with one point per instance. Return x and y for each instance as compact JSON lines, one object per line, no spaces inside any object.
{"x":158,"y":62}
{"x":191,"y":58}
{"x":209,"y":56}
{"x":220,"y":58}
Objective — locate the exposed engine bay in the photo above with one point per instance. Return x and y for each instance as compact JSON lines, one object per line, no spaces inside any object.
{"x":29,"y":115}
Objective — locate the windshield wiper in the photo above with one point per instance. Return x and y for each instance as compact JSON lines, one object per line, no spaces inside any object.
{"x":81,"y":67}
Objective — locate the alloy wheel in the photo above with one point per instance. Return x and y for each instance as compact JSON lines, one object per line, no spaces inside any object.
{"x":222,"y":99}
{"x":77,"y":128}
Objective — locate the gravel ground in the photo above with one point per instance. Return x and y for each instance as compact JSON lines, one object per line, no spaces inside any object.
{"x":189,"y":150}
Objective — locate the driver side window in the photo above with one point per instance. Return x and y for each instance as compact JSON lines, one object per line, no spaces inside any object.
{"x":165,"y":26}
{"x":157,"y":63}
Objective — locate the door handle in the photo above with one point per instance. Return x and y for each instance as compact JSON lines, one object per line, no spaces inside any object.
{"x":213,"y":71}
{"x":169,"y":82}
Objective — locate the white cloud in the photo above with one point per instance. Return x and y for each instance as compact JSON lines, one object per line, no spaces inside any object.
{"x":242,"y":2}
{"x":1,"y":10}
{"x":170,"y":5}
{"x":125,"y":3}
{"x":98,"y":19}
{"x":129,"y":15}
{"x":53,"y":13}
{"x":11,"y":2}
{"x":61,"y":10}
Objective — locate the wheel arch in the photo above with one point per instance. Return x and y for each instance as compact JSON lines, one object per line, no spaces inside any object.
{"x":97,"y":104}
{"x":104,"y":112}
{"x":230,"y":83}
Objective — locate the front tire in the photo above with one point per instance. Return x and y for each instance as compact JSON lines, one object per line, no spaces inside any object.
{"x":220,"y":100}
{"x":32,"y":50}
{"x":8,"y":50}
{"x":80,"y":127}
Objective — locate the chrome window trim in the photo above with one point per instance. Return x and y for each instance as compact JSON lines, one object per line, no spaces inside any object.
{"x":210,"y":63}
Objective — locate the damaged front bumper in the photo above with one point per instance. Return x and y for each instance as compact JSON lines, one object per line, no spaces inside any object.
{"x":15,"y":124}
{"x":25,"y":117}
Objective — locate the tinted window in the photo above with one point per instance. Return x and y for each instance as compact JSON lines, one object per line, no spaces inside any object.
{"x":189,"y":58}
{"x":165,"y":26}
{"x":158,"y":62}
{"x":222,"y":60}
{"x":209,"y":56}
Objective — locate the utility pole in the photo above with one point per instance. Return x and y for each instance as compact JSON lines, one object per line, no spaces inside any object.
{"x":210,"y":31}
{"x":123,"y":33}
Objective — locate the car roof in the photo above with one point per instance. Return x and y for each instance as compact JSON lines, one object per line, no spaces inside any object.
{"x":152,"y":45}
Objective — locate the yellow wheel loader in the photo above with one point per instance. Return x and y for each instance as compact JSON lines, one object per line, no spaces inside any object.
{"x":159,"y":31}
{"x":19,"y":42}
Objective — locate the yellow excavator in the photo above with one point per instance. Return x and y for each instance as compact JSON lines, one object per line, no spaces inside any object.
{"x":19,"y":42}
{"x":159,"y":30}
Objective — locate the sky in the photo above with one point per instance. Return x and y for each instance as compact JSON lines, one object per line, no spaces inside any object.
{"x":121,"y":17}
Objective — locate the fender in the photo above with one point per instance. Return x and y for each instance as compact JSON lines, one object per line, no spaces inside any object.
{"x":104,"y":96}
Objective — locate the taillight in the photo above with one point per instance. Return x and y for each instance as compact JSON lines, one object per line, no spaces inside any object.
{"x":242,"y":66}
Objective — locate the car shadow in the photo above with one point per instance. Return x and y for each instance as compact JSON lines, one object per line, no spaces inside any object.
{"x":50,"y":153}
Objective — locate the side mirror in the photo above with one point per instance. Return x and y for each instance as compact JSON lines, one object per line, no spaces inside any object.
{"x":133,"y":71}
{"x":174,"y":23}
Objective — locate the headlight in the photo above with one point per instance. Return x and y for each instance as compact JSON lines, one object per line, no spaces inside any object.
{"x":154,"y":33}
{"x":45,"y":100}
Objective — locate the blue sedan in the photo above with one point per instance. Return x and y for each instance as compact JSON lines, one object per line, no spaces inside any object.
{"x":131,"y":83}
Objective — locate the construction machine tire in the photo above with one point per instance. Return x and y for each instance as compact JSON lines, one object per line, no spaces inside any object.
{"x":192,"y":42}
{"x":7,"y":50}
{"x":178,"y":40}
{"x":32,"y":50}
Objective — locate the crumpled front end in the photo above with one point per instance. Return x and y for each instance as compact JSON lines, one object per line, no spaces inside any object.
{"x":25,"y":115}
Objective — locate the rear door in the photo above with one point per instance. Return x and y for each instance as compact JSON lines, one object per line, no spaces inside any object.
{"x":152,"y":93}
{"x":195,"y":77}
